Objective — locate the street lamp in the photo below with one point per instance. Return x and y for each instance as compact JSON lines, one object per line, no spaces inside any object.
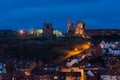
{"x":21,"y":32}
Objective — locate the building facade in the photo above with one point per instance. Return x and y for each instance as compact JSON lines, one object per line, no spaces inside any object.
{"x":80,"y":29}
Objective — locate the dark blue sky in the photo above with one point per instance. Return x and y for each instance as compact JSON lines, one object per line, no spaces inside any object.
{"x":31,"y":14}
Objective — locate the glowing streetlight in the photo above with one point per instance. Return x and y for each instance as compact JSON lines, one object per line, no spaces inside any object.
{"x":21,"y":32}
{"x":75,"y":49}
{"x":27,"y":73}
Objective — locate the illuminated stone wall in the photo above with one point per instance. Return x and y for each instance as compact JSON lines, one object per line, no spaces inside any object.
{"x":80,"y":28}
{"x":39,"y":32}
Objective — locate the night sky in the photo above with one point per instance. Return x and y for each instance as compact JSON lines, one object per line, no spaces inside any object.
{"x":31,"y":14}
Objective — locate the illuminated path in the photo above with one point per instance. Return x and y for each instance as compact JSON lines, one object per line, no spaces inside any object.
{"x":77,"y":50}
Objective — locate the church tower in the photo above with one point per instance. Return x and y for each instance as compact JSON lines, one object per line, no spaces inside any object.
{"x":68,"y":25}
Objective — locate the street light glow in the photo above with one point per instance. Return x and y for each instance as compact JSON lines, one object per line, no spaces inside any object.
{"x":75,"y":49}
{"x":21,"y":32}
{"x":27,"y":73}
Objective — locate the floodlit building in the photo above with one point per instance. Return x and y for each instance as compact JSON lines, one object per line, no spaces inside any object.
{"x":76,"y":30}
{"x":80,"y":29}
{"x":38,"y":32}
{"x":57,"y":33}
